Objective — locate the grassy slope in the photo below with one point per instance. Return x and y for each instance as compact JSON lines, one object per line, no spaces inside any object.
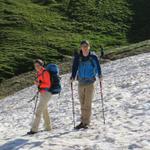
{"x":125,"y":51}
{"x":30,"y":30}
{"x":26,"y":35}
{"x":17,"y":83}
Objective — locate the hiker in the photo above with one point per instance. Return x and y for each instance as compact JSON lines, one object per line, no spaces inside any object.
{"x":101,"y":51}
{"x":85,"y":68}
{"x":43,"y":83}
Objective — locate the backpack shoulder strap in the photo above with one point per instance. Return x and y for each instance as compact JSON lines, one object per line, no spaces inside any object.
{"x":78,"y":58}
{"x":91,"y":58}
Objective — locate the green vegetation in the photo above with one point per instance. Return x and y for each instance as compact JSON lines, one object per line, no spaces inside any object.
{"x":140,"y":27}
{"x":32,"y":30}
{"x":52,"y":29}
{"x":126,"y":51}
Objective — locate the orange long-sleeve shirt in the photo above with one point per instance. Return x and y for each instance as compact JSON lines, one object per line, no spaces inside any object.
{"x":44,"y":79}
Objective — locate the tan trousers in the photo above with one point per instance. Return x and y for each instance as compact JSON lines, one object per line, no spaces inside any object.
{"x":86,"y":93}
{"x":42,"y":109}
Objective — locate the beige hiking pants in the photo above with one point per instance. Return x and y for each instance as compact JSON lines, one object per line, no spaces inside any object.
{"x":42,"y":109}
{"x":86,"y":93}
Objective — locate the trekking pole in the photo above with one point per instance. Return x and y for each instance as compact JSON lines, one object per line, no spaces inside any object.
{"x":101,"y":90}
{"x":34,"y":97}
{"x":36,"y":100}
{"x":73,"y":110}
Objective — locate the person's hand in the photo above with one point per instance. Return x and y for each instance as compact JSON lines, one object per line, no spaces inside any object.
{"x":71,"y":80}
{"x":36,"y":83}
{"x":100,"y":78}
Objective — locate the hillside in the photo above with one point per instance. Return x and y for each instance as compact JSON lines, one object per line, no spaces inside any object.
{"x":26,"y":79}
{"x":127,"y":112}
{"x":50,"y":29}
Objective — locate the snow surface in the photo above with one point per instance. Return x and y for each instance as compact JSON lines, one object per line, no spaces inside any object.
{"x":127,"y":110}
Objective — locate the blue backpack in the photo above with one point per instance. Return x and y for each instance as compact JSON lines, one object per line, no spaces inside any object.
{"x":55,"y":79}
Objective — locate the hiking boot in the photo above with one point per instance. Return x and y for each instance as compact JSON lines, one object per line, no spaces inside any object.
{"x":80,"y":126}
{"x":31,"y":132}
{"x":48,"y":129}
{"x":85,"y":126}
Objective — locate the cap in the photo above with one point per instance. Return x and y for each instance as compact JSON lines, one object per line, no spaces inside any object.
{"x":84,"y":42}
{"x":39,"y":61}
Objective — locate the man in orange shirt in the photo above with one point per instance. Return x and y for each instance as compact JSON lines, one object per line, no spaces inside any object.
{"x":43,"y":83}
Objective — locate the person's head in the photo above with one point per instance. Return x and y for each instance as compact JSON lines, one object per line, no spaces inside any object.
{"x":85,"y":46}
{"x":101,"y":46}
{"x":38,"y":64}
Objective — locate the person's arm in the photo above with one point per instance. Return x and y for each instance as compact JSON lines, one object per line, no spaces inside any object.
{"x":46,"y":79}
{"x":36,"y":82}
{"x":75,"y":67}
{"x":98,"y":67}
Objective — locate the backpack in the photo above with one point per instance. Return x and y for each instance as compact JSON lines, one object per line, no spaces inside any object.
{"x":54,"y":78}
